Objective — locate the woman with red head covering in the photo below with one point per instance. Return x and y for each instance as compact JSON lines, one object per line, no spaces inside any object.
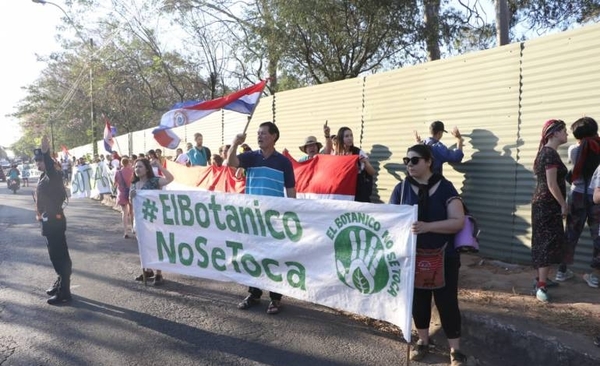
{"x":549,"y":205}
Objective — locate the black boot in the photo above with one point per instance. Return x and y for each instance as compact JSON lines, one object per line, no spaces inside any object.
{"x":63,"y":293}
{"x":52,"y":290}
{"x":61,"y":297}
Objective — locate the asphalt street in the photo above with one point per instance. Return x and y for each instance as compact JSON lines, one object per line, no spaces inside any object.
{"x":114,"y":320}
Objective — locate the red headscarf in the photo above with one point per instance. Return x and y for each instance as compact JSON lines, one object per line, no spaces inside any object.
{"x":550,"y":127}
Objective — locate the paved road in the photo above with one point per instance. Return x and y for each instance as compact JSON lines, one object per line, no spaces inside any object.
{"x":114,"y":320}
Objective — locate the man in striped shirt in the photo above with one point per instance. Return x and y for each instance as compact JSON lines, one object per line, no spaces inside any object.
{"x":268,"y":173}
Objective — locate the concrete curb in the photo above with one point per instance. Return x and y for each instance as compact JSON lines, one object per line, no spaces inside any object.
{"x":515,"y":346}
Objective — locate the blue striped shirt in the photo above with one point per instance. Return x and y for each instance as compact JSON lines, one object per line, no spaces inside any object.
{"x":267,"y":177}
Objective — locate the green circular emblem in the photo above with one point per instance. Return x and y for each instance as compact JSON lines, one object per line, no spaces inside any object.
{"x":360,"y":261}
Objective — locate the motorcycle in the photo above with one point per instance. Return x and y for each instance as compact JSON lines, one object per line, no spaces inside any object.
{"x":14,"y":185}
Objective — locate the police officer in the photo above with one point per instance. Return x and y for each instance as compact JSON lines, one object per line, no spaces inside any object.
{"x":50,"y":196}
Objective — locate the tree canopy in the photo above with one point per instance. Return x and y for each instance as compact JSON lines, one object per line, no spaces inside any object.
{"x":144,"y":56}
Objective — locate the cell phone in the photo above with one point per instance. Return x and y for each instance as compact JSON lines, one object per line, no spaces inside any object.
{"x":326,"y":123}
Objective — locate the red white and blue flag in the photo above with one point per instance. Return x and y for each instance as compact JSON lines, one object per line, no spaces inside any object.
{"x":243,"y":101}
{"x":108,"y":136}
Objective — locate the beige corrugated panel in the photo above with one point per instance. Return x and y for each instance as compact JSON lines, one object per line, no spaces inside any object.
{"x":560,"y":80}
{"x":303,"y":112}
{"x":122,"y":144}
{"x":498,"y":98}
{"x":138,"y":142}
{"x":80,"y":151}
{"x":479,"y":94}
{"x":235,"y":123}
{"x":211,"y":129}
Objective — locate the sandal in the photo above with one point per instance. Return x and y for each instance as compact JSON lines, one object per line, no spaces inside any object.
{"x":149,"y":274}
{"x":274,"y":307}
{"x":248,"y":302}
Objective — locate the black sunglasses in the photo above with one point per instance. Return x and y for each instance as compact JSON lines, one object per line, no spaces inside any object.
{"x":414,"y":160}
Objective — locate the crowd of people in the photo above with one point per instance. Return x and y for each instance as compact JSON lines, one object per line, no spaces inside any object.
{"x":440,"y":209}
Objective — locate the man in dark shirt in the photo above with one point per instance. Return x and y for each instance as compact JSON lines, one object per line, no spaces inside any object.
{"x":50,"y":196}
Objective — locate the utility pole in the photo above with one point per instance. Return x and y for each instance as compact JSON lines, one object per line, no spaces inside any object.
{"x":92,"y":106}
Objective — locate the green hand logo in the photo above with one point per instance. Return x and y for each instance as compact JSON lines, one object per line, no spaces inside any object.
{"x":359,"y":260}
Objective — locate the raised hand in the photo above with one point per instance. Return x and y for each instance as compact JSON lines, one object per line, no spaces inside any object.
{"x":417,"y":137}
{"x":456,"y":133}
{"x":45,"y":144}
{"x":239,"y":139}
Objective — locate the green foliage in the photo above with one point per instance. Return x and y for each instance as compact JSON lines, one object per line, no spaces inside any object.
{"x":139,"y":72}
{"x":542,"y":15}
{"x":24,"y":147}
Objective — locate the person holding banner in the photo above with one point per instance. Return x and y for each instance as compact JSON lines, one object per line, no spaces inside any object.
{"x":345,"y":146}
{"x":50,"y":196}
{"x":440,"y":216}
{"x":144,"y":178}
{"x":268,"y":173}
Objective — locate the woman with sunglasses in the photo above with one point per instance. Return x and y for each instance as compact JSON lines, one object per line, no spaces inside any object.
{"x":440,"y":216}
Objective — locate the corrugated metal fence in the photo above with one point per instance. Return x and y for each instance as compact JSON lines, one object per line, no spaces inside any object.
{"x":498,"y":98}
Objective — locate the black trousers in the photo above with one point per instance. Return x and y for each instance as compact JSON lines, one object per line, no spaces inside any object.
{"x":446,"y":301}
{"x":56,"y":241}
{"x":257,"y":293}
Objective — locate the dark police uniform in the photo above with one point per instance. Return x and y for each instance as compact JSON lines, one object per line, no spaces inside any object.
{"x":51,"y":195}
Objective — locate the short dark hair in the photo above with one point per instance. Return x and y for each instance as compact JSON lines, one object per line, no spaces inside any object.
{"x":273,"y":130}
{"x":584,"y":127}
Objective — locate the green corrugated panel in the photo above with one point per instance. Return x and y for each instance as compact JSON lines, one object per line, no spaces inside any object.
{"x":479,"y":94}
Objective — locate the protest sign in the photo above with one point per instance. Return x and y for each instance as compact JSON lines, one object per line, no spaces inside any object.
{"x":90,"y":180}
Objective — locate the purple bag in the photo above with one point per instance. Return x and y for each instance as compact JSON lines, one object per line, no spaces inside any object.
{"x":465,"y":241}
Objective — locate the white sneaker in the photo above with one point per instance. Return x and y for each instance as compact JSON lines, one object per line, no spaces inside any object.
{"x":591,"y":279}
{"x":563,"y":276}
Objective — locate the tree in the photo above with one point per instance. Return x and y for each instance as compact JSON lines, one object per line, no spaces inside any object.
{"x":135,"y":81}
{"x":313,"y":41}
{"x":544,"y":15}
{"x":336,"y":40}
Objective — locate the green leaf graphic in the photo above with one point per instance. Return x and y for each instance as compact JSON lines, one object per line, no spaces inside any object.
{"x":360,"y":281}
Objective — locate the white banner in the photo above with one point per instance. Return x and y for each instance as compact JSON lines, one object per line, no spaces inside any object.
{"x":352,"y":256}
{"x":29,"y":171}
{"x":90,"y":180}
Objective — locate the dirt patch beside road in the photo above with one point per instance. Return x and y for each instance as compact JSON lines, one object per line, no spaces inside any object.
{"x":574,"y":306}
{"x":494,"y":287}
